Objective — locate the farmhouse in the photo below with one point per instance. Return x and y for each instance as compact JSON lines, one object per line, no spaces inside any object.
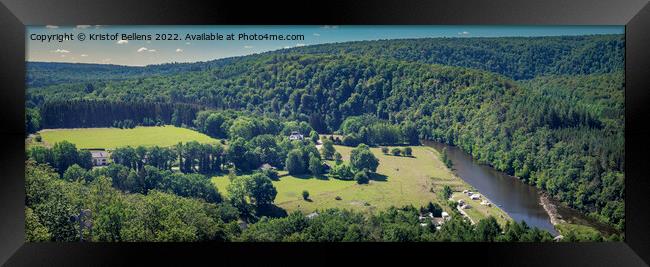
{"x":100,"y":158}
{"x":296,"y":136}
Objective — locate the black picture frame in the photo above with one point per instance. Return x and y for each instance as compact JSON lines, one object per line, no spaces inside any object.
{"x":16,"y":14}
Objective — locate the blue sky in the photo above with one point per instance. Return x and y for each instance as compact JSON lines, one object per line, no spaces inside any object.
{"x":140,"y":53}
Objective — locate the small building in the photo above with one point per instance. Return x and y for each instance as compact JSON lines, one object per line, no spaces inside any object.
{"x":475,"y":197}
{"x":267,"y":166}
{"x":296,"y":136}
{"x":438,"y":221}
{"x":99,"y":158}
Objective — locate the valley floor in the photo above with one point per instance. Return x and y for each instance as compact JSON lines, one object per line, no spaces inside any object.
{"x":399,"y":181}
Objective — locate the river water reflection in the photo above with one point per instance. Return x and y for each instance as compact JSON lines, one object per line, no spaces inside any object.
{"x":521,"y":201}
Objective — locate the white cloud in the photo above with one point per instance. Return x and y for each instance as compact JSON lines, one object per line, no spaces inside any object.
{"x":178,"y":50}
{"x":316,"y":34}
{"x":84,"y":55}
{"x":463,"y":33}
{"x":60,"y":51}
{"x":296,"y":45}
{"x":248,"y":46}
{"x":51,"y":26}
{"x":141,"y":49}
{"x":83,"y":26}
{"x":123,"y":42}
{"x":151,"y":50}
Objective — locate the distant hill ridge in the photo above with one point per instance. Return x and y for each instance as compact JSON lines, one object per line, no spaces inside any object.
{"x":515,"y":57}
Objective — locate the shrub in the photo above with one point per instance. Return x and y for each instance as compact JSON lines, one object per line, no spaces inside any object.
{"x":338,"y":158}
{"x":272,"y":174}
{"x":351,"y":140}
{"x":384,"y":150}
{"x":396,"y":151}
{"x":315,"y":166}
{"x":342,"y":171}
{"x":407,"y":151}
{"x":361,"y":177}
{"x":305,"y":194}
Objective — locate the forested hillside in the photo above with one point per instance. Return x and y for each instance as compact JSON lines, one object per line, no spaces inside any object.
{"x":560,"y":129}
{"x":518,"y":58}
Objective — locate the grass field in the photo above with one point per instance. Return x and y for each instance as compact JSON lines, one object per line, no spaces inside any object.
{"x":110,"y":138}
{"x":478,"y":211}
{"x":401,"y":181}
{"x":579,"y":230}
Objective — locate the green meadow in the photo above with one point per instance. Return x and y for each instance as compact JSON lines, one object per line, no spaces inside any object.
{"x":399,"y":181}
{"x":478,"y":211}
{"x":110,"y":138}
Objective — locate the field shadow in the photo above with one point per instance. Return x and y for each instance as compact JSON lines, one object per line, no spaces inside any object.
{"x":378,"y":177}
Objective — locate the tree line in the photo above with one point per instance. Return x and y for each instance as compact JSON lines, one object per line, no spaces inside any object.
{"x":119,"y":216}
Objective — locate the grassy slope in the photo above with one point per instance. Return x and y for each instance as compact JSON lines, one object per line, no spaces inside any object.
{"x":110,"y":138}
{"x":479,"y":211}
{"x":402,"y":181}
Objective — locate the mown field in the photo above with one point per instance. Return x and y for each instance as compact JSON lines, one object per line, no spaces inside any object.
{"x":110,"y":138}
{"x":400,"y":181}
{"x":478,"y":211}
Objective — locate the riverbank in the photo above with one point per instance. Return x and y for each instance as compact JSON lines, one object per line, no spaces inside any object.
{"x":551,"y":210}
{"x":564,"y":219}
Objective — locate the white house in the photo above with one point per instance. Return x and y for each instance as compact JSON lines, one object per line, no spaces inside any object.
{"x":296,"y":136}
{"x":475,"y":196}
{"x":445,"y":215}
{"x":100,"y":158}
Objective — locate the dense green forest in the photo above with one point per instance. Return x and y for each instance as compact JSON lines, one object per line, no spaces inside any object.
{"x":548,"y":110}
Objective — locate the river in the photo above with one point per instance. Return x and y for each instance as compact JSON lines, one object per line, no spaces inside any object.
{"x":521,"y":201}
